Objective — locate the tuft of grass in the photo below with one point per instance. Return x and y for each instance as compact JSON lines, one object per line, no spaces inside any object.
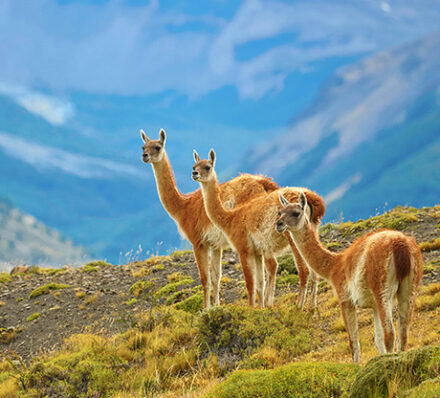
{"x":141,"y":288}
{"x":180,"y":253}
{"x":172,"y":287}
{"x":45,"y":289}
{"x":286,"y":280}
{"x":5,"y":277}
{"x":2,"y":303}
{"x":334,"y":246}
{"x":428,"y":302}
{"x":192,"y":304}
{"x":80,"y":294}
{"x":176,"y":276}
{"x":94,"y":266}
{"x":131,"y":302}
{"x":429,"y":246}
{"x":7,"y":335}
{"x":140,"y":272}
{"x":91,"y":299}
{"x":225,"y":280}
{"x":159,"y":267}
{"x":9,"y":388}
{"x":32,"y":317}
{"x":295,"y":380}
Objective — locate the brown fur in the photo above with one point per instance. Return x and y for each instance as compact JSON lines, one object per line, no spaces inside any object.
{"x":189,"y":213}
{"x":402,"y":258}
{"x":363,"y":275}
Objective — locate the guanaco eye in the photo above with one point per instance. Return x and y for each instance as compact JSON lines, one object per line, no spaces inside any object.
{"x":194,"y":167}
{"x":295,"y":214}
{"x":207,"y":168}
{"x":157,"y":148}
{"x":279,"y":213}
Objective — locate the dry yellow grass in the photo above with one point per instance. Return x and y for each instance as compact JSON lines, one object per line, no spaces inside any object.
{"x":428,"y":246}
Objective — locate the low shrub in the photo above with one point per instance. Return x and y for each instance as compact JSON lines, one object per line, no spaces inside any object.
{"x":45,"y":289}
{"x":391,"y":373}
{"x":240,"y":331}
{"x":311,"y":380}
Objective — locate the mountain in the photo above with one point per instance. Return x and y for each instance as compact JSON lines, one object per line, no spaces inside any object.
{"x":23,"y":239}
{"x":372,"y":137}
{"x":93,"y":191}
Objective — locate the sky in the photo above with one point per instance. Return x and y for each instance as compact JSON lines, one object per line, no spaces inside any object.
{"x":248,"y":66}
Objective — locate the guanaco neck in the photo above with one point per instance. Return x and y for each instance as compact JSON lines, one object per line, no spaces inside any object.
{"x":321,"y":260}
{"x":170,"y":196}
{"x":213,"y":205}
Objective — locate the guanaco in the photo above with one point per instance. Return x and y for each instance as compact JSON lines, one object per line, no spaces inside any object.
{"x":373,"y":271}
{"x":249,"y":228}
{"x":188,"y":211}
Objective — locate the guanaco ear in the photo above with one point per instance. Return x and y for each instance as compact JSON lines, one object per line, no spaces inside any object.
{"x":144,"y":136}
{"x":196,"y":156}
{"x":302,"y":200}
{"x":162,"y":137}
{"x":284,"y":202}
{"x":211,"y":157}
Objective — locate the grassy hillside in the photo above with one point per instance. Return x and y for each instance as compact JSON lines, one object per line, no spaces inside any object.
{"x":138,"y":330}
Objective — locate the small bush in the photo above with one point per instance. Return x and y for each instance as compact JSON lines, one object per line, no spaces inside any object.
{"x":242,"y":331}
{"x":45,"y":289}
{"x":312,"y":380}
{"x":397,"y":372}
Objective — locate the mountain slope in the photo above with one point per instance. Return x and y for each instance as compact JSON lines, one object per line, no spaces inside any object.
{"x":23,"y":239}
{"x":371,"y":138}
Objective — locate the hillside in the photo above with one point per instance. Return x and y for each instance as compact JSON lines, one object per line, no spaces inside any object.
{"x":137,"y":330}
{"x":24,"y":240}
{"x":370,"y":141}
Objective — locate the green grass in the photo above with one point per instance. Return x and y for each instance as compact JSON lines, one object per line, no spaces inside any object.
{"x":45,"y":289}
{"x":94,"y":266}
{"x":312,"y":380}
{"x":35,"y":315}
{"x":172,"y":287}
{"x":388,"y":374}
{"x":5,"y":277}
{"x":141,"y":288}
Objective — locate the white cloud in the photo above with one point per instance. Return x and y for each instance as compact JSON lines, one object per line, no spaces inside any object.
{"x":128,"y":50}
{"x":342,"y":189}
{"x":55,"y":110}
{"x":46,"y":158}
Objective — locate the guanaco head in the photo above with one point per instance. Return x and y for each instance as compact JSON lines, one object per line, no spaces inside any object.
{"x":292,"y":216}
{"x":203,"y":169}
{"x":153,"y":150}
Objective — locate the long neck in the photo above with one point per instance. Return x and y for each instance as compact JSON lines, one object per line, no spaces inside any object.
{"x":321,"y":260}
{"x":170,"y":196}
{"x":213,"y":205}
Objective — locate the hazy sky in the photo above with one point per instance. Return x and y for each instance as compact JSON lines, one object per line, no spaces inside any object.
{"x":248,"y":55}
